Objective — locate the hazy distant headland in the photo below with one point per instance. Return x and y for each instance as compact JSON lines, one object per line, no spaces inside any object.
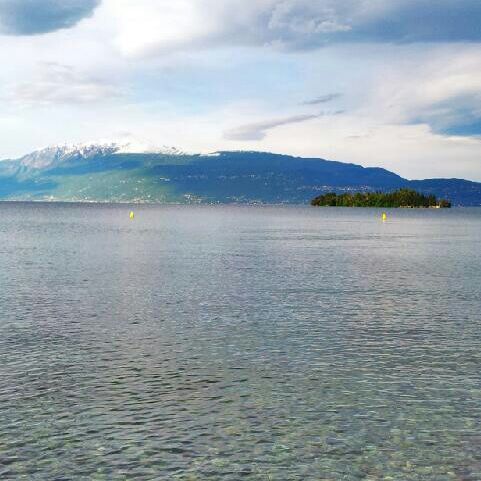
{"x":118,"y":173}
{"x":407,"y":198}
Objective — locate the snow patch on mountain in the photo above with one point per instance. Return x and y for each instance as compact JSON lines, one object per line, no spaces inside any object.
{"x":136,"y":147}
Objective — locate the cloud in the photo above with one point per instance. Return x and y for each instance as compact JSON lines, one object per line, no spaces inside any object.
{"x":259,"y":130}
{"x":442,"y":91}
{"x":62,"y":84}
{"x":323,"y":99}
{"x":297,"y":17}
{"x":32,"y":17}
{"x":466,"y":128}
{"x":457,"y":115}
{"x":306,"y":24}
{"x":402,"y":21}
{"x":154,"y":27}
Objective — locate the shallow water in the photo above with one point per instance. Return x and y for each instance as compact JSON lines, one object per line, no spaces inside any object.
{"x":228,"y":343}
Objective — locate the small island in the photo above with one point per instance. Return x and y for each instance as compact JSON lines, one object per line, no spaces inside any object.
{"x":400,"y":198}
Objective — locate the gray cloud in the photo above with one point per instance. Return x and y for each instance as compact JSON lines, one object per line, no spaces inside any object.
{"x":291,"y":25}
{"x":323,"y":99}
{"x":259,"y":130}
{"x":62,"y":84}
{"x":459,"y":115}
{"x":32,"y":17}
{"x":306,"y":24}
{"x":423,"y":21}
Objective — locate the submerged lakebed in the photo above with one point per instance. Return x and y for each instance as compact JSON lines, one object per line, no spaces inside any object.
{"x":227,"y":343}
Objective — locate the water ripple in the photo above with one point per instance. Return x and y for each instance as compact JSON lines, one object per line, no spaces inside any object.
{"x":239,"y":343}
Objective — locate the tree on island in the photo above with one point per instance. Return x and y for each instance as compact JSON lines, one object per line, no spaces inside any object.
{"x":398,"y":198}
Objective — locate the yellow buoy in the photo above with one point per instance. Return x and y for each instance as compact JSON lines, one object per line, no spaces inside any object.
{"x":384,"y":217}
{"x":132,"y":215}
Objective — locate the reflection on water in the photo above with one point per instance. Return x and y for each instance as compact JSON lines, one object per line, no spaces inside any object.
{"x":227,"y":343}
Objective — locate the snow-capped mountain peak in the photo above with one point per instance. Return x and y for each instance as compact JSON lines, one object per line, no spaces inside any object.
{"x":54,"y":155}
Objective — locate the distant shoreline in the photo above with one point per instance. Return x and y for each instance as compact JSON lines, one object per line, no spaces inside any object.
{"x":209,"y":204}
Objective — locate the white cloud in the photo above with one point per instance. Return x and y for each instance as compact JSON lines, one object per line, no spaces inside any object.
{"x":161,"y":26}
{"x":440,"y":87}
{"x":61,"y":84}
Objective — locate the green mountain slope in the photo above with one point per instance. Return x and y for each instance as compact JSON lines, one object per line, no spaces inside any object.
{"x":106,"y":174}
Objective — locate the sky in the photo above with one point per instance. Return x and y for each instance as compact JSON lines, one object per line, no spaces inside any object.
{"x":389,"y":83}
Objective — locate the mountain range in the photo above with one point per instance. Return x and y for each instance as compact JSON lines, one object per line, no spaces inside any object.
{"x":114,"y":172}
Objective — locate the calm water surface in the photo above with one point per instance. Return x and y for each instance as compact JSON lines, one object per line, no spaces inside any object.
{"x":230,"y":343}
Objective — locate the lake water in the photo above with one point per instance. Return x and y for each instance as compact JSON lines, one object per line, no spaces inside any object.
{"x":229,"y":343}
